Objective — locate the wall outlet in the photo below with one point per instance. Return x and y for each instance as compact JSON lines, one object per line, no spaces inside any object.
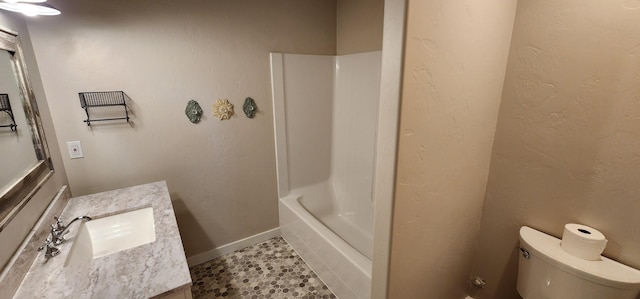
{"x":75,"y":149}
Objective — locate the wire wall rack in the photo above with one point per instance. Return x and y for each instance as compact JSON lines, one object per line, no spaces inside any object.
{"x":5,"y":106}
{"x":97,"y":99}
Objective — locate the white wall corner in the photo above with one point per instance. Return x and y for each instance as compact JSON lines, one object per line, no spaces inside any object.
{"x":233,"y":246}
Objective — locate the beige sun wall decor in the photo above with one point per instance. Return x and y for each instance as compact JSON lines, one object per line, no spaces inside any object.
{"x":222,"y":109}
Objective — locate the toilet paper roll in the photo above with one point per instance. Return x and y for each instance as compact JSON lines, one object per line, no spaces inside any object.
{"x":583,"y":241}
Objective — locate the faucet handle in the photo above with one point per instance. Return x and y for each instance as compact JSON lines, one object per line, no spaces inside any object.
{"x":58,"y":232}
{"x":58,"y":223}
{"x":58,"y":236}
{"x":51,"y":250}
{"x":46,"y":243}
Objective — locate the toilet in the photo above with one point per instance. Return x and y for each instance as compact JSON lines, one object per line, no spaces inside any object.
{"x":546,"y":271}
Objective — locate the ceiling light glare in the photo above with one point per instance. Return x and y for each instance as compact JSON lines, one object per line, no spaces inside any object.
{"x":29,"y":9}
{"x":25,"y":1}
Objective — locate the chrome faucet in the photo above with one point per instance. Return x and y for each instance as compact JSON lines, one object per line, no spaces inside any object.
{"x":58,"y":230}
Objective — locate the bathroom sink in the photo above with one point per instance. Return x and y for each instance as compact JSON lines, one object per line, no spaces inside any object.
{"x":108,"y":235}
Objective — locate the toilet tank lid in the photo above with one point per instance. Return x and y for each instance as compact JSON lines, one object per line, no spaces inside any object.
{"x":605,"y":271}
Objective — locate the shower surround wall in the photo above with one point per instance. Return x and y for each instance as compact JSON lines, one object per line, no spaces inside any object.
{"x":325,"y":111}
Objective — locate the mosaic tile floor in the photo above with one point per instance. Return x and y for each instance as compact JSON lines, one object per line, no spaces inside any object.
{"x":270,"y":269}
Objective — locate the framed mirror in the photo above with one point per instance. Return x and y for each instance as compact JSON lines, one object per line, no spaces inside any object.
{"x":25,"y":163}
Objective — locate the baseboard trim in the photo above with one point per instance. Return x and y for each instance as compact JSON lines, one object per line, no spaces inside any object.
{"x":231,"y":247}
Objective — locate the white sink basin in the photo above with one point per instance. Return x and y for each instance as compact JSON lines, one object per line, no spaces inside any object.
{"x":104,"y":236}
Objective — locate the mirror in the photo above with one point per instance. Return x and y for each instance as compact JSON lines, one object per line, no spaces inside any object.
{"x":25,"y":163}
{"x":15,"y":139}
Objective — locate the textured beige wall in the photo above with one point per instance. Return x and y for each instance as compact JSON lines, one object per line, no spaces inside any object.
{"x":567,"y":145}
{"x":359,"y":25}
{"x":19,"y":227}
{"x":456,"y":55}
{"x":221,"y":174}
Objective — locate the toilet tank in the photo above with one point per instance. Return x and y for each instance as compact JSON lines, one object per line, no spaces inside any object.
{"x":546,"y":271}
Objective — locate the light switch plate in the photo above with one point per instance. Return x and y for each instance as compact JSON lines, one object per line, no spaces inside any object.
{"x":75,"y":149}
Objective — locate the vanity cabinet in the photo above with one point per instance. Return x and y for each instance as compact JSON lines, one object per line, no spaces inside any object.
{"x":154,"y":270}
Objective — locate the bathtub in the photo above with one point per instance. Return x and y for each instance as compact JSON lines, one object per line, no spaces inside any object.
{"x":343,"y":267}
{"x":325,"y":162}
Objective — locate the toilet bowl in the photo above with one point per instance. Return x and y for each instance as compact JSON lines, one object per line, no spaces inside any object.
{"x":546,"y":271}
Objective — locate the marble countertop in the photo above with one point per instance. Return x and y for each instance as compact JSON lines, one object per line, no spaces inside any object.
{"x":141,"y":272}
